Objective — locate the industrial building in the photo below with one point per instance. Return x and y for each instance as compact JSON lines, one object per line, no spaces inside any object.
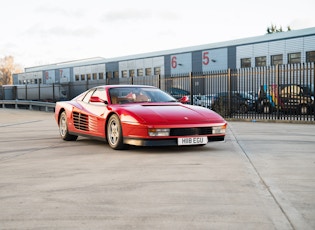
{"x":296,"y":46}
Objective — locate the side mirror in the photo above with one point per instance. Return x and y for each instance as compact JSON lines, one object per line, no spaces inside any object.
{"x":97,"y":99}
{"x":184,"y":100}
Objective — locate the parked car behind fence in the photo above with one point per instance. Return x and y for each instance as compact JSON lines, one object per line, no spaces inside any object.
{"x":227,"y":103}
{"x":287,"y":98}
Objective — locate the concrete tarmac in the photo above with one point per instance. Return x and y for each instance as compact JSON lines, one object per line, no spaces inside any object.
{"x":261,"y":177}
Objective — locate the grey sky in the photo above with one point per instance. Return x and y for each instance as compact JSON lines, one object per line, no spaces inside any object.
{"x":48,"y":31}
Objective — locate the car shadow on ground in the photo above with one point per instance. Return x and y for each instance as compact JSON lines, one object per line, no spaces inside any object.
{"x":170,"y":149}
{"x":210,"y":147}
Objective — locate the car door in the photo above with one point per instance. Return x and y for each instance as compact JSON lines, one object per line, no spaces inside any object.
{"x":89,"y":118}
{"x":97,"y":112}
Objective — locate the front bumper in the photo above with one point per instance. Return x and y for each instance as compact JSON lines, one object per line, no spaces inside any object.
{"x":163,"y":142}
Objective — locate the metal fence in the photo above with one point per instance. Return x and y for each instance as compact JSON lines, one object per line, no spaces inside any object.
{"x":282,"y":92}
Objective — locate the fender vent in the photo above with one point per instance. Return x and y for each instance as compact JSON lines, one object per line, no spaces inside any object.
{"x":80,"y":121}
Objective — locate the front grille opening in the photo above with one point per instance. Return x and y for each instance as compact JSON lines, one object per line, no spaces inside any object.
{"x":190,"y":131}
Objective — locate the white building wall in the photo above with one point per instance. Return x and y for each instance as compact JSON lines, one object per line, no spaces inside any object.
{"x":159,"y":62}
{"x":50,"y":77}
{"x":260,"y":49}
{"x":181,"y":63}
{"x":276,"y":47}
{"x":214,"y":59}
{"x":268,"y":49}
{"x":245,"y":51}
{"x":141,"y":64}
{"x":309,"y":43}
{"x":100,"y":68}
{"x":64,"y":75}
{"x":29,"y":78}
{"x":293,"y":46}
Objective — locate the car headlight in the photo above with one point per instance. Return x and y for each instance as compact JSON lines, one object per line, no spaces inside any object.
{"x":158,"y":132}
{"x":218,"y":129}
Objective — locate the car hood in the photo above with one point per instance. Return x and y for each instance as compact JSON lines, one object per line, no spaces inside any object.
{"x":176,"y":113}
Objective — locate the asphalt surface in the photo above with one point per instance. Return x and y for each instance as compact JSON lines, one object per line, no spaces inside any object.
{"x":261,"y":177}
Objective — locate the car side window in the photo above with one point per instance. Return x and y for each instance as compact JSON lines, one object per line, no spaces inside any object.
{"x":87,"y":96}
{"x":100,"y":92}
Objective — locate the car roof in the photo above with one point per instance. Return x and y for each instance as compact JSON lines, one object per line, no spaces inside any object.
{"x":122,"y":86}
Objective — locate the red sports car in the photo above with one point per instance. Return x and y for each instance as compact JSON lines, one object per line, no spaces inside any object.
{"x":137,"y":115}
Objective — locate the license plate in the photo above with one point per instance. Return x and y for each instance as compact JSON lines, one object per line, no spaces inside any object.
{"x":192,"y":140}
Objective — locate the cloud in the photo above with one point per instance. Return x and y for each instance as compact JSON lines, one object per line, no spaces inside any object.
{"x":127,"y":15}
{"x":138,"y":15}
{"x":42,"y":31}
{"x":300,"y":23}
{"x":57,"y":11}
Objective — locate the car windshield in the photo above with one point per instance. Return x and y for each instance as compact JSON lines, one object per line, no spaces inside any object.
{"x":122,"y":95}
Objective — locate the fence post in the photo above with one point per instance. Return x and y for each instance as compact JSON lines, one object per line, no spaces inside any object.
{"x":53,"y":88}
{"x":26,"y":91}
{"x":229,"y":92}
{"x":278,"y":88}
{"x":312,"y":66}
{"x":38,"y":90}
{"x":14,"y":92}
{"x":191,"y":87}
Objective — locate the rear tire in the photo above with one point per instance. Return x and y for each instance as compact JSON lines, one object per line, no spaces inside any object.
{"x":63,"y":128}
{"x":243,"y":109}
{"x":114,"y":133}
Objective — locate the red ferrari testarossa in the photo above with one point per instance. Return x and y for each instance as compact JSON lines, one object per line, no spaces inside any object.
{"x":137,"y":115}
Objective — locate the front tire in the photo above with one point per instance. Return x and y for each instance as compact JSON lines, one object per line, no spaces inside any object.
{"x":243,"y":109}
{"x":114,"y":133}
{"x":63,"y":128}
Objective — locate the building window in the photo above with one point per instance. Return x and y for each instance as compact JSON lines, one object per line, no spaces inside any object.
{"x":310,"y":56}
{"x":131,"y":73}
{"x":260,"y":61}
{"x":88,"y":77}
{"x":77,"y":77}
{"x":140,"y":72}
{"x":294,"y":58}
{"x":116,"y":74}
{"x":246,"y":62}
{"x":124,"y":73}
{"x":157,"y":70}
{"x":100,"y":76}
{"x":82,"y":77}
{"x":148,"y":71}
{"x":38,"y":81}
{"x":94,"y":76}
{"x":109,"y":75}
{"x":277,"y":59}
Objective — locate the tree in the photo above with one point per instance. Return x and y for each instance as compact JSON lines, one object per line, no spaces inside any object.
{"x":7,"y":68}
{"x":273,"y":29}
